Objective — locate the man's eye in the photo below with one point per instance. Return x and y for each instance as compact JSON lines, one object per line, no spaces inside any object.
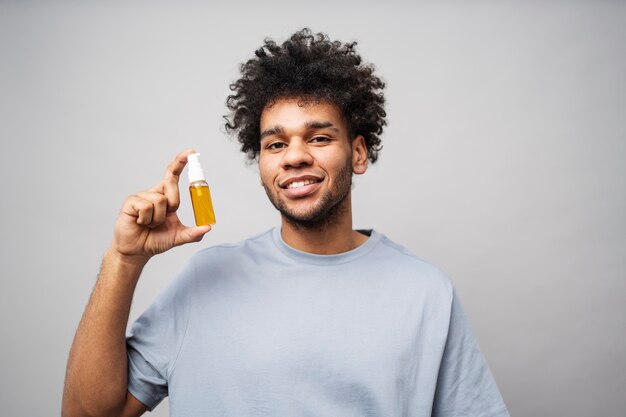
{"x":275,"y":145}
{"x":320,"y":139}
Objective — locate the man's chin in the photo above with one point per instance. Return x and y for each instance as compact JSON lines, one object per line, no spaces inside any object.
{"x":311,"y":213}
{"x":302,"y":218}
{"x":307,"y":223}
{"x":314,"y":218}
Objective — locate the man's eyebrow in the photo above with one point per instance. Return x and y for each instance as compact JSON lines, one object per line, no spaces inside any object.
{"x":314,"y":124}
{"x":271,"y":131}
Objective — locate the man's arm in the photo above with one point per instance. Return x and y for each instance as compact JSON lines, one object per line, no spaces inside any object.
{"x":96,"y":381}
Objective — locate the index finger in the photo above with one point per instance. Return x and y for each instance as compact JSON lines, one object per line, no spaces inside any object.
{"x":175,"y":168}
{"x":169,"y":185}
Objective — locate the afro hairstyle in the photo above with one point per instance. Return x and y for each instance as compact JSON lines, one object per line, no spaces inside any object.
{"x":309,"y":67}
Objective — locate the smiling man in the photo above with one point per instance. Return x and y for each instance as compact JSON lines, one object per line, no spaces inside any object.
{"x":312,"y":318}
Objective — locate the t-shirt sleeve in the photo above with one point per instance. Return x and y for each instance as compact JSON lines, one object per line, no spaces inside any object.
{"x":155,"y":338}
{"x":465,"y":386}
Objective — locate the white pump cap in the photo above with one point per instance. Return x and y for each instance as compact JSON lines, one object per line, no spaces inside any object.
{"x":194,"y":172}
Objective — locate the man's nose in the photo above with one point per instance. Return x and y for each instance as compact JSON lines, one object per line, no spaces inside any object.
{"x":296,"y":155}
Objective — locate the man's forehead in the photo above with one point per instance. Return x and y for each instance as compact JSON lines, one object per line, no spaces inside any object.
{"x":301,"y":101}
{"x":285,"y":113}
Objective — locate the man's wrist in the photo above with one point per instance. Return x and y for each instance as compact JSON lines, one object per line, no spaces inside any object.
{"x":124,"y":260}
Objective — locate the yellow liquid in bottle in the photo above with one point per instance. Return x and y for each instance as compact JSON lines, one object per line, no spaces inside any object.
{"x":202,"y":205}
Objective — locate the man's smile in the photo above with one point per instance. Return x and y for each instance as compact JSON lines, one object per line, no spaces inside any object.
{"x":297,"y":184}
{"x":299,"y":181}
{"x":301,"y":186}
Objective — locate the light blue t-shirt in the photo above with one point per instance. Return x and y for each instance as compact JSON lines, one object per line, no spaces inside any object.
{"x":261,"y":329}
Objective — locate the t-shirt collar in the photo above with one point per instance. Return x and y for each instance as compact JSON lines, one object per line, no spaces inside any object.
{"x":339,"y":258}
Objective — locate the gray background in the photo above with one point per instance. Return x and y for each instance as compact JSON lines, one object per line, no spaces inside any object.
{"x":503,"y":164}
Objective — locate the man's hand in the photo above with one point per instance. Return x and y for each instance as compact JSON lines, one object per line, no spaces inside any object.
{"x":148,"y":224}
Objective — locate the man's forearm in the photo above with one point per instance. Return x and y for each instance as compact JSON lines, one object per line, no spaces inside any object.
{"x":96,"y":379}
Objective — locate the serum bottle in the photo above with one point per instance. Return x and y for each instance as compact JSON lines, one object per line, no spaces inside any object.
{"x":199,"y":190}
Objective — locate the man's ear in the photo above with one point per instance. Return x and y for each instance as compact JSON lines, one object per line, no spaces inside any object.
{"x":359,"y":155}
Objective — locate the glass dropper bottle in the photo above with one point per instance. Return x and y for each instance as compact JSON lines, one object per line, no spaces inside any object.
{"x":199,"y":191}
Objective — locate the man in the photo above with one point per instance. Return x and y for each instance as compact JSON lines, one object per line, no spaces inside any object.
{"x":309,"y":319}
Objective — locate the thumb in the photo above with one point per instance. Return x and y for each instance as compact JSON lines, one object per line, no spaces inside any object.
{"x":190,"y":234}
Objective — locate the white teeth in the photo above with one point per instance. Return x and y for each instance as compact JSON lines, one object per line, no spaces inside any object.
{"x":296,"y":184}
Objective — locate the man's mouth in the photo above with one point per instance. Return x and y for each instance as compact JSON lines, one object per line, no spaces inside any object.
{"x":298,"y":184}
{"x":301,"y":186}
{"x":299,"y":181}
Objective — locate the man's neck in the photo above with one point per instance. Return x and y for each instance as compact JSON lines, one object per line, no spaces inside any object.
{"x":336,"y":237}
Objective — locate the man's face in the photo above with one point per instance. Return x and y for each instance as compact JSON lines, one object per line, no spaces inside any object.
{"x":306,"y":160}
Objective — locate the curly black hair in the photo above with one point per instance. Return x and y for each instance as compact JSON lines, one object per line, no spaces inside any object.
{"x":309,"y":67}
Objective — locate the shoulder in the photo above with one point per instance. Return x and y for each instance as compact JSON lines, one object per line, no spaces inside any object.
{"x":216,"y":263}
{"x":402,"y":262}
